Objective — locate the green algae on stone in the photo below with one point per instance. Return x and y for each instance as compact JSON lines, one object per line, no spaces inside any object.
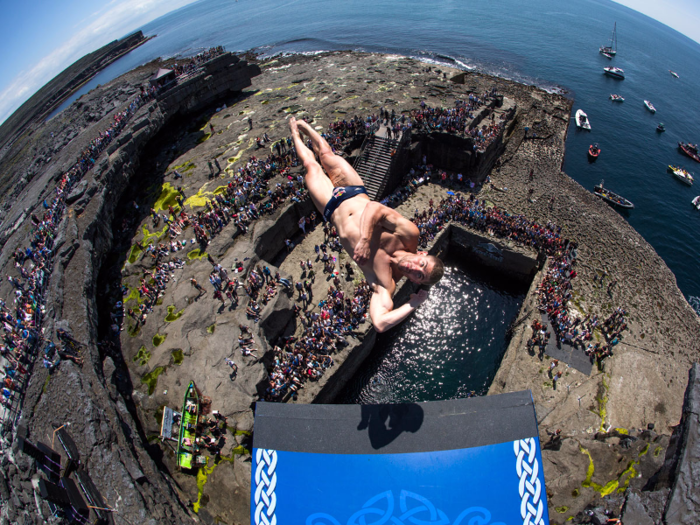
{"x":202,"y":475}
{"x":630,"y":472}
{"x":612,"y":485}
{"x":168,"y":197}
{"x":562,"y":509}
{"x":134,"y":295}
{"x":185,"y":166}
{"x":575,"y":493}
{"x":210,"y":329}
{"x":196,"y":254}
{"x":657,"y":451}
{"x":602,"y":400}
{"x":133,"y":329}
{"x":147,"y":235}
{"x":134,"y":254}
{"x":142,"y":356}
{"x":158,"y":339}
{"x":151,"y":379}
{"x":178,"y":356}
{"x":173,"y":315}
{"x":204,"y":138}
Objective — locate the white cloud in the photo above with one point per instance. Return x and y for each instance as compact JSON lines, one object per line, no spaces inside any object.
{"x":118,"y":19}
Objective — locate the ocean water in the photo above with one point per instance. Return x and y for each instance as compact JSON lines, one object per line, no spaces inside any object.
{"x":549,"y":43}
{"x":451,"y":347}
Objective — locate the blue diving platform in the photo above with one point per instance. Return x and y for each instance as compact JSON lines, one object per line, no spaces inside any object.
{"x":457,"y":462}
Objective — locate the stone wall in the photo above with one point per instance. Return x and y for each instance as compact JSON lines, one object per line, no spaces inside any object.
{"x":503,"y":256}
{"x":456,"y":153}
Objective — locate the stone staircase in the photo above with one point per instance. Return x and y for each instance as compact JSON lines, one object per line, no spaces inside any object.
{"x":375,"y":162}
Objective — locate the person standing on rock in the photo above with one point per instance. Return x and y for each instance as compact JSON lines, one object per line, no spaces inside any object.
{"x":380,"y":239}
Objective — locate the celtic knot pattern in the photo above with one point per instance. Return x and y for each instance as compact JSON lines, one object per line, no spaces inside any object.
{"x":413,"y":509}
{"x":530,"y":488}
{"x":265,"y":484}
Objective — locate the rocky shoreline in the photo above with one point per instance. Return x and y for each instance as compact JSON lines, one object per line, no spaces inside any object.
{"x":116,"y":417}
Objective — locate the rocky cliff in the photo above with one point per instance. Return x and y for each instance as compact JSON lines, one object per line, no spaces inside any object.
{"x":94,"y":400}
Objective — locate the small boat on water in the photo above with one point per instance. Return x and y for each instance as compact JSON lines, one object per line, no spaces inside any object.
{"x":690,"y":149}
{"x":650,"y":106}
{"x":682,"y":174}
{"x":616,"y":98}
{"x":606,"y":55}
{"x":593,"y":152}
{"x":612,"y":197}
{"x":661,"y":128}
{"x":610,"y":50}
{"x":615,"y":72}
{"x":186,"y":450}
{"x":674,"y":73}
{"x":582,"y":120}
{"x":696,"y":202}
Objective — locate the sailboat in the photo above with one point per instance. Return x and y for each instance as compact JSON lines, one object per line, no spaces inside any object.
{"x":612,"y":48}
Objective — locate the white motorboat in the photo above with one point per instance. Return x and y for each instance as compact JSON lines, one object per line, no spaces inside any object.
{"x":615,"y":72}
{"x":682,"y":175}
{"x":650,"y":106}
{"x":696,"y":202}
{"x":582,"y":120}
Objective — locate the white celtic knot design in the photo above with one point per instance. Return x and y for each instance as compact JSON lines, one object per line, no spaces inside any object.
{"x":528,"y":469}
{"x":265,"y":484}
{"x":413,"y":509}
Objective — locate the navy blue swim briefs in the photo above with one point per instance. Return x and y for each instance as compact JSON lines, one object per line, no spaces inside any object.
{"x":340,"y":194}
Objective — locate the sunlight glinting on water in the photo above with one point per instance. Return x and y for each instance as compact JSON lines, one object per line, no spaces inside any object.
{"x":450,"y":347}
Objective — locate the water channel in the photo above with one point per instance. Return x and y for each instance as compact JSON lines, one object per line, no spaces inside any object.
{"x":451,"y":347}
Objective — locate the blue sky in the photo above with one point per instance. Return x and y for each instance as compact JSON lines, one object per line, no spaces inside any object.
{"x":40,"y":38}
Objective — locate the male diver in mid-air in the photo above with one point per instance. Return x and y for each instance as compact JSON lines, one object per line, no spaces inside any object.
{"x":379,"y":239}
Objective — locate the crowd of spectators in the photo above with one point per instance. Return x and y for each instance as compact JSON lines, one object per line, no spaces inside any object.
{"x":248,"y":195}
{"x":306,"y":357}
{"x":450,"y":120}
{"x":554,"y":294}
{"x":474,"y":213}
{"x":34,"y":263}
{"x":193,"y":63}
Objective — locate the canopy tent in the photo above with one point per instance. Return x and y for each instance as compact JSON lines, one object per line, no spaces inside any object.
{"x":442,"y":462}
{"x":162,"y":76}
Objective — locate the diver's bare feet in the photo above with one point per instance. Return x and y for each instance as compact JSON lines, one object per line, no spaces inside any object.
{"x":318,"y":144}
{"x":293,"y":126}
{"x":304,"y":127}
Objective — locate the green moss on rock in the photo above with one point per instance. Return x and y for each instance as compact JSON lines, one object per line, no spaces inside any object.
{"x":134,"y":254}
{"x":178,"y":356}
{"x":168,"y":197}
{"x":151,"y":379}
{"x":196,"y":254}
{"x":142,"y":356}
{"x":158,"y":339}
{"x":173,"y":315}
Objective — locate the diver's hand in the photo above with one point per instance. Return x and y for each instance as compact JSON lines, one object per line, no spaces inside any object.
{"x":418,"y":298}
{"x":361,"y":252}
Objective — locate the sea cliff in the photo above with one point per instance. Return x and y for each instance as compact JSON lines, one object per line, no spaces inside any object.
{"x":217,"y":115}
